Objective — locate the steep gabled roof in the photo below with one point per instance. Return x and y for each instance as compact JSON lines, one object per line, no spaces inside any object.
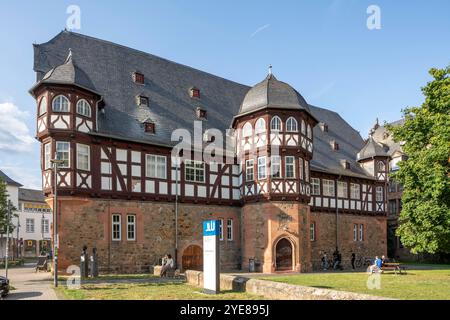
{"x":8,"y":180}
{"x":31,"y":195}
{"x":371,"y":149}
{"x":109,"y":67}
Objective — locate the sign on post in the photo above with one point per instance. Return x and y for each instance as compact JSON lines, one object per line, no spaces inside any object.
{"x":211,"y":268}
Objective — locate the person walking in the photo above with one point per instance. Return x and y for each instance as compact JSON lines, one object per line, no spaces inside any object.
{"x":353,"y":260}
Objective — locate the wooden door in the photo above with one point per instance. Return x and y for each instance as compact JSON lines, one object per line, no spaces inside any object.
{"x":192,"y":258}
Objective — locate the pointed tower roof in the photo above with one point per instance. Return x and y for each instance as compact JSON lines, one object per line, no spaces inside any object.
{"x":67,"y":73}
{"x":371,"y":149}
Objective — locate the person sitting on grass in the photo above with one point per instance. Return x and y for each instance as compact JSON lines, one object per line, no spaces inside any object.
{"x":168,"y":265}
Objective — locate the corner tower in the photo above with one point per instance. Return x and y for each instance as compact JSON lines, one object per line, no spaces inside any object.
{"x":275,"y":145}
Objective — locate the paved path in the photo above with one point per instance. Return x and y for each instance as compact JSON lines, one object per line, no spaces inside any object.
{"x":30,"y":285}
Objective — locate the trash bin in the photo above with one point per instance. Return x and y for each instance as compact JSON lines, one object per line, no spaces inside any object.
{"x":251,"y":265}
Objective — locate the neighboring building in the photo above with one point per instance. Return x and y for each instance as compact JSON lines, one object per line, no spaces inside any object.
{"x":35,"y":219}
{"x":12,"y":188}
{"x":394,"y":190}
{"x":109,"y":111}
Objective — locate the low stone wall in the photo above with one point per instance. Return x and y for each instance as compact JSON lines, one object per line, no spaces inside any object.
{"x":277,"y":290}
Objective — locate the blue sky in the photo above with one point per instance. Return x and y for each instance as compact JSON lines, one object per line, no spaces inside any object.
{"x":322,"y":48}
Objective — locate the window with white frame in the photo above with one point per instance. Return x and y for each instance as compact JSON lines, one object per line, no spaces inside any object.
{"x":63,"y":153}
{"x":355,"y":232}
{"x":303,"y":128}
{"x":116,"y":227}
{"x":379,"y":194}
{"x":156,"y":166}
{"x":312,"y":231}
{"x":275,"y":124}
{"x":60,"y":104}
{"x":47,"y":156}
{"x":43,"y":106}
{"x":194,"y":171}
{"x":301,"y":169}
{"x":328,"y":188}
{"x":230,"y":229}
{"x":355,"y":191}
{"x":131,"y":227}
{"x":306,"y":170}
{"x":309,"y":132}
{"x":29,"y":224}
{"x":291,"y":125}
{"x":45,"y":226}
{"x":262,"y":173}
{"x":361,"y":232}
{"x":260,"y":126}
{"x":315,"y":186}
{"x":275,"y":166}
{"x":342,"y":189}
{"x":290,"y":167}
{"x":247,"y":130}
{"x":221,"y":229}
{"x":83,"y":157}
{"x":84,"y":108}
{"x":249,"y":168}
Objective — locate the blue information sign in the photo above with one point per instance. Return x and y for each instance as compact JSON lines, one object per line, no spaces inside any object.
{"x":210,"y":228}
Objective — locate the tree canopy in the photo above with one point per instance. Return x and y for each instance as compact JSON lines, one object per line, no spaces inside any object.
{"x":424,"y":224}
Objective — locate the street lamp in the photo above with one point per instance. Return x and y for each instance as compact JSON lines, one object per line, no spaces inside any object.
{"x":55,"y":163}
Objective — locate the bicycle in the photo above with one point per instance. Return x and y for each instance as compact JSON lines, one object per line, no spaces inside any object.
{"x":363,"y":262}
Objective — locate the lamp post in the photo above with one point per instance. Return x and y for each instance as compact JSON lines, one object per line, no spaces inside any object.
{"x":55,"y":163}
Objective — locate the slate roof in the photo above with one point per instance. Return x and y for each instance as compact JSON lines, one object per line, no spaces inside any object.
{"x":110,"y":67}
{"x":31,"y":195}
{"x":272,"y":93}
{"x":8,"y":180}
{"x":372,"y":149}
{"x":384,"y":137}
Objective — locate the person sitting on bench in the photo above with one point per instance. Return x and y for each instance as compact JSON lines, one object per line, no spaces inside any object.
{"x":167,"y":264}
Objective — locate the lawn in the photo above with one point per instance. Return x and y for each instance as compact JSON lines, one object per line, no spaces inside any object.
{"x":115,"y":277}
{"x":416,"y":284}
{"x":148,"y":291}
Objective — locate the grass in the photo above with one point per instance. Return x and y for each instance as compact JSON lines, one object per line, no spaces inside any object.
{"x":148,"y":291}
{"x":416,"y":284}
{"x":116,"y":277}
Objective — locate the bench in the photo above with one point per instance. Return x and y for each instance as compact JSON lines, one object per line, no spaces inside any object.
{"x":393,"y":266}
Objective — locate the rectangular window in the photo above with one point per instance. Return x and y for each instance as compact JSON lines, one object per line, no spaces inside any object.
{"x":262,"y":173}
{"x":63,"y":153}
{"x":194,"y":171}
{"x":249,"y":167}
{"x":379,"y":194}
{"x":83,"y":157}
{"x":156,"y":166}
{"x":221,"y":229}
{"x":328,"y":188}
{"x":116,"y":227}
{"x":315,"y":186}
{"x":312,"y":231}
{"x":354,"y":191}
{"x":342,"y":189}
{"x":290,"y":167}
{"x":392,"y":186}
{"x":355,"y":232}
{"x":361,"y":232}
{"x":301,"y":169}
{"x":230,"y":229}
{"x":307,"y":171}
{"x":47,"y":156}
{"x":275,"y":166}
{"x":30,"y":225}
{"x":392,"y":206}
{"x":131,"y":227}
{"x":44,"y":226}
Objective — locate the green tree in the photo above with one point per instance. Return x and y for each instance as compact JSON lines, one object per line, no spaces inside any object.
{"x":424,"y":224}
{"x":4,"y":210}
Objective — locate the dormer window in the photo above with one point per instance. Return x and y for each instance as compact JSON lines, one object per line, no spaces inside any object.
{"x":201,"y":113}
{"x":195,"y":92}
{"x":138,"y":78}
{"x":334,"y":145}
{"x":345,"y":164}
{"x":324,"y":127}
{"x":149,"y":127}
{"x":142,"y":101}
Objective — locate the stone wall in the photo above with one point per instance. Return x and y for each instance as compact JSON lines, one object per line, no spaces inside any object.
{"x":276,"y":290}
{"x":88,"y":222}
{"x":374,"y":237}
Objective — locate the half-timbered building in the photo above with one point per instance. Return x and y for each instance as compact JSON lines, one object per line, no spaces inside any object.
{"x":301,"y":181}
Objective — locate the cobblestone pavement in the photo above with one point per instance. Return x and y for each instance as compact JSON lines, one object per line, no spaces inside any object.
{"x":30,"y":285}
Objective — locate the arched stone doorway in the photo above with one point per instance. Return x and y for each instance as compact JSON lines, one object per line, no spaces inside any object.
{"x":192,"y":258}
{"x":284,"y":255}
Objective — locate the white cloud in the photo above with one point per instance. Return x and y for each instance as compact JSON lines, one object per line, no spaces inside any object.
{"x":259,"y":30}
{"x":28,"y":176}
{"x":14,"y":132}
